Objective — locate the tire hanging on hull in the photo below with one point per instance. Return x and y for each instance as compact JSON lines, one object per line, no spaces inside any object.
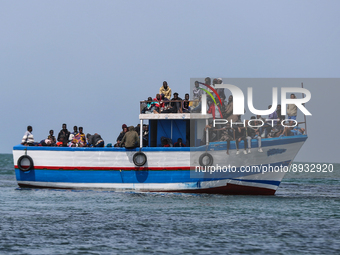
{"x":139,"y":159}
{"x":22,"y":163}
{"x":206,"y":162}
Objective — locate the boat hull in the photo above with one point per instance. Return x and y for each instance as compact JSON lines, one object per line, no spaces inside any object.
{"x":166,"y":169}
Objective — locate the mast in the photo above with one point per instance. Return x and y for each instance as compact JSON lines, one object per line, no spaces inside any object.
{"x":303,"y":96}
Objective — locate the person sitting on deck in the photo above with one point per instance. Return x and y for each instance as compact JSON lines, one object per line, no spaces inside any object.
{"x":287,"y":130}
{"x":82,"y":140}
{"x":186,"y":104}
{"x":297,"y":130}
{"x":95,"y":140}
{"x":211,"y":133}
{"x":165,"y":90}
{"x":52,"y":138}
{"x":149,"y":106}
{"x":121,"y":135}
{"x":179,"y":143}
{"x":252,"y":133}
{"x":63,"y":136}
{"x":159,"y":104}
{"x":276,"y":131}
{"x":130,"y":139}
{"x":267,"y":127}
{"x":50,"y":141}
{"x":28,"y":139}
{"x":175,"y":107}
{"x":228,"y":134}
{"x":72,"y":141}
{"x":240,"y":135}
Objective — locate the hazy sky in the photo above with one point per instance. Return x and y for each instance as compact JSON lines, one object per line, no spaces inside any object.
{"x":89,"y":63}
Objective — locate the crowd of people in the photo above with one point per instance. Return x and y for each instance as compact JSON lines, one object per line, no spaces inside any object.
{"x":129,"y":137}
{"x":267,"y":128}
{"x":65,"y":138}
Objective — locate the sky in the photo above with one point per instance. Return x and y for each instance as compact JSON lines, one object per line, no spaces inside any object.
{"x":89,"y":63}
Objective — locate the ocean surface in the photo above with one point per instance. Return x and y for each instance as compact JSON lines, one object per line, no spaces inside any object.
{"x":303,"y":217}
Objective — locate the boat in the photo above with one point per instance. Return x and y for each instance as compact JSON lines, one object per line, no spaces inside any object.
{"x":193,"y":169}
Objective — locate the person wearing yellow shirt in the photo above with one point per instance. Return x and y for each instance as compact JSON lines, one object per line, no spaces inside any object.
{"x":165,"y":90}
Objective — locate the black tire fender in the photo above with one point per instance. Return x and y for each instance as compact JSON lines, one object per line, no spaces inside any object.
{"x":210,"y":159}
{"x":139,"y":159}
{"x":22,"y":159}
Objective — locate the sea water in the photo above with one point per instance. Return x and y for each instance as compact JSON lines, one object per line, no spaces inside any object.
{"x":302,"y":217}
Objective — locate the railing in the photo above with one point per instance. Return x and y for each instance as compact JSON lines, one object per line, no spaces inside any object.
{"x":163,"y":105}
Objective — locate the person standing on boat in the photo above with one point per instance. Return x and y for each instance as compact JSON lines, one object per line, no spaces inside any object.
{"x":28,"y":139}
{"x":63,"y":135}
{"x":197,"y":94}
{"x":165,"y":90}
{"x":292,"y":109}
{"x":95,"y":140}
{"x":130,"y":139}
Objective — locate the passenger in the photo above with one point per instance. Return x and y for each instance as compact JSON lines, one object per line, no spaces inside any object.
{"x":159,"y":104}
{"x":149,"y":105}
{"x":267,"y":127}
{"x":65,"y":134}
{"x":121,"y":135}
{"x":240,"y":135}
{"x":130,"y":139}
{"x":137,"y":129}
{"x":165,"y":89}
{"x":179,"y":143}
{"x":228,"y":134}
{"x":198,"y":108}
{"x":49,"y":141}
{"x":82,"y":140}
{"x":73,"y":142}
{"x":145,"y":135}
{"x":165,"y":143}
{"x":252,"y":133}
{"x":186,"y":104}
{"x":288,"y":130}
{"x":220,"y":91}
{"x":73,"y":134}
{"x":174,"y":106}
{"x":61,"y":142}
{"x":28,"y":139}
{"x":292,"y":109}
{"x":298,"y":131}
{"x":95,"y":140}
{"x":276,"y":131}
{"x":211,"y":132}
{"x":213,"y":109}
{"x":52,"y":138}
{"x":197,"y":94}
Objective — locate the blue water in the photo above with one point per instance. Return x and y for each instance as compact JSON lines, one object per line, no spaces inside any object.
{"x":303,"y":217}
